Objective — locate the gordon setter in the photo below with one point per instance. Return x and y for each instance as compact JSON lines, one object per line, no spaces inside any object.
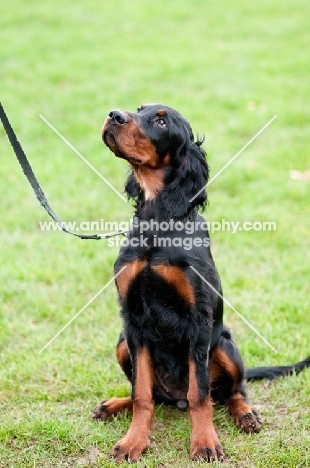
{"x":174,"y":347}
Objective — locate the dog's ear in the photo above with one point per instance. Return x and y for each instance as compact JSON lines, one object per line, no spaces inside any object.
{"x":132,"y":188}
{"x":189,"y":178}
{"x":195,"y":172}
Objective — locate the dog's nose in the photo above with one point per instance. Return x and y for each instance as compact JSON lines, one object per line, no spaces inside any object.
{"x":117,"y":117}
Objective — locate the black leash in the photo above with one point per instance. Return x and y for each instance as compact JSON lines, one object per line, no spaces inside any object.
{"x":23,"y":161}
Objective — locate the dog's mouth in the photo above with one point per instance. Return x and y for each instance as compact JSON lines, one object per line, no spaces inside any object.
{"x":111,"y":142}
{"x":109,"y":139}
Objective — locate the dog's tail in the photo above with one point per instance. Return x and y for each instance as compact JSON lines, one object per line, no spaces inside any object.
{"x":270,"y":373}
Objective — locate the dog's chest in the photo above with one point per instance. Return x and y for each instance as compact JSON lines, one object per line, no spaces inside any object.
{"x":157,"y":299}
{"x":151,"y":284}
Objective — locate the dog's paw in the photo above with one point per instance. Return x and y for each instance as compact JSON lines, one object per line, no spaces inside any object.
{"x":130,"y":449}
{"x":101,"y":411}
{"x":207,"y":447}
{"x":249,"y":422}
{"x":207,"y":453}
{"x":107,"y":409}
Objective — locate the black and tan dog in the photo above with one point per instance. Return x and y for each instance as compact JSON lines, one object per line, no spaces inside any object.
{"x":173,"y":347}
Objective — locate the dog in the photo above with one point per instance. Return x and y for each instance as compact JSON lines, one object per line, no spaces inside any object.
{"x":173,"y":348}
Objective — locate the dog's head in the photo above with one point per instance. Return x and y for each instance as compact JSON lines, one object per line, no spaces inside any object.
{"x":167,"y":164}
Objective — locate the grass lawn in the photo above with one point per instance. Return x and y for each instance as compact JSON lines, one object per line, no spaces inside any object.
{"x":229,"y":69}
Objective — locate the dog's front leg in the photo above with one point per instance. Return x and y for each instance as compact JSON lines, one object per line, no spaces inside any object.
{"x":137,"y":439}
{"x":205,"y":443}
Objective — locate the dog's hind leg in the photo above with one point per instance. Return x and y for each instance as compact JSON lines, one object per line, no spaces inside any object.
{"x":109,"y":408}
{"x":227,"y":373}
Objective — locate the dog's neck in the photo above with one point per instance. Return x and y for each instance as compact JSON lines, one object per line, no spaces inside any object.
{"x":151,"y":181}
{"x":162,"y":194}
{"x":159,"y":210}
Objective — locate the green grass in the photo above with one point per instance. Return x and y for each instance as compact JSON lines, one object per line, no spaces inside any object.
{"x":229,"y":69}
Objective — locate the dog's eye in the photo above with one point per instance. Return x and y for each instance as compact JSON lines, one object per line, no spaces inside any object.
{"x":161,"y":122}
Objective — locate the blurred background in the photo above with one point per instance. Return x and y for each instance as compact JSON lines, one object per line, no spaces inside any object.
{"x":228,"y":68}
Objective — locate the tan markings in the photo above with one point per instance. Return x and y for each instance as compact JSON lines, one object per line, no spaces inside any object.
{"x":144,"y":379}
{"x":237,"y":406}
{"x":136,"y":145}
{"x":129,"y":142}
{"x":115,"y":405}
{"x":150,"y":180}
{"x":175,"y":276}
{"x":214,"y":370}
{"x":166,"y":160}
{"x":193,"y":394}
{"x":104,"y":124}
{"x":122,"y":353}
{"x":220,"y":362}
{"x":111,"y":407}
{"x":201,"y":415}
{"x":161,"y":112}
{"x":137,"y":439}
{"x":128,"y":274}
